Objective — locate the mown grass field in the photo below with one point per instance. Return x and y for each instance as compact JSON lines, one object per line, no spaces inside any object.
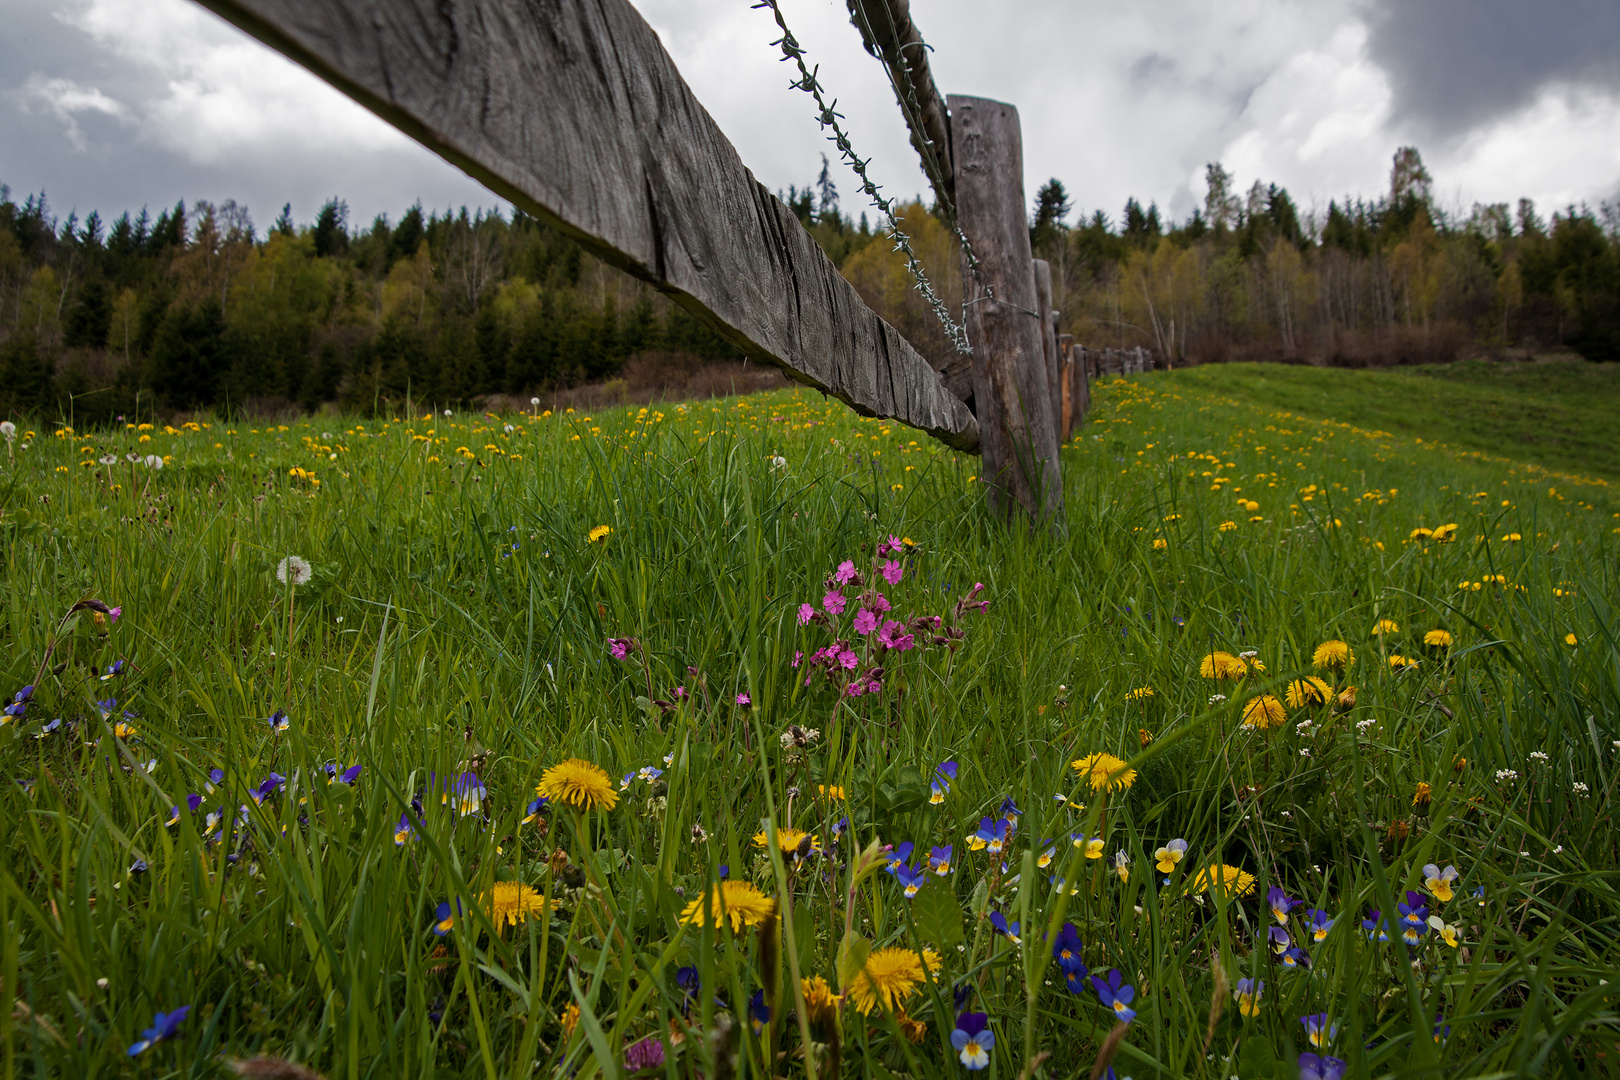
{"x":778,"y":654}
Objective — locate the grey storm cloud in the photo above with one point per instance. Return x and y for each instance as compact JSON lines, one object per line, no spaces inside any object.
{"x":1454,"y":64}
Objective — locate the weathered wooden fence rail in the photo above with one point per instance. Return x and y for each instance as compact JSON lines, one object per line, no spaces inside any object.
{"x":1100,"y":362}
{"x":573,"y":111}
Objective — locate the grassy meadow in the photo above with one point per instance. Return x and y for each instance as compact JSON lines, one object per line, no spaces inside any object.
{"x":733,"y":739}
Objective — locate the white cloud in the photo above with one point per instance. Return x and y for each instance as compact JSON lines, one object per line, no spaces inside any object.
{"x":225,"y":97}
{"x":66,"y":99}
{"x":1563,"y":148}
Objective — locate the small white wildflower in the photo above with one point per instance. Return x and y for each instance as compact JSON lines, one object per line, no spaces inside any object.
{"x":1304,"y":753}
{"x":1216,"y":699}
{"x":1363,"y":725}
{"x":1525,"y":854}
{"x":779,"y":462}
{"x":293,"y":571}
{"x":1537,"y":755}
{"x":447,"y":412}
{"x":1581,"y":789}
{"x":1559,"y":850}
{"x":1249,"y":654}
{"x":1287,"y":813}
{"x":1506,"y":774}
{"x":1304,"y":727}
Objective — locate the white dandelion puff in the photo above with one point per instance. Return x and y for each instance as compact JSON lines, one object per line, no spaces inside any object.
{"x":293,"y":571}
{"x":152,"y":461}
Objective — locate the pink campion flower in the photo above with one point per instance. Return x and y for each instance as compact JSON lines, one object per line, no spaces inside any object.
{"x":744,"y":699}
{"x":806,"y":613}
{"x":893,"y":572}
{"x":874,"y":687}
{"x":113,"y":613}
{"x":798,"y":655}
{"x":834,"y":603}
{"x":619,"y":647}
{"x":848,"y":660}
{"x":846,"y":572}
{"x":893,"y":544}
{"x":855,"y":689}
{"x":865,"y":621}
{"x":680,"y":693}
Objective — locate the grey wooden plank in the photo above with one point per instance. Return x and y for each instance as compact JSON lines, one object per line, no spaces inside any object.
{"x":1010,"y":391}
{"x":1043,"y":298}
{"x":572,"y":110}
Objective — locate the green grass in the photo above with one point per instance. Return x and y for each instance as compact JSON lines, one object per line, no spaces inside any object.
{"x":1559,"y":414}
{"x":458,"y":619}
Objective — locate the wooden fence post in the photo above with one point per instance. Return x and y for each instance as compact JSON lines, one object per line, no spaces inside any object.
{"x":1011,"y":396}
{"x":1066,"y":377}
{"x":1043,"y":304}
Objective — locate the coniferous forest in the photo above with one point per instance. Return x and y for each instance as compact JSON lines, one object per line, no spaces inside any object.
{"x":196,"y":308}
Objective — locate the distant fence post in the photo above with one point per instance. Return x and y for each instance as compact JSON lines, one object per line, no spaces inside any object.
{"x":1011,"y":394}
{"x":1043,"y":304}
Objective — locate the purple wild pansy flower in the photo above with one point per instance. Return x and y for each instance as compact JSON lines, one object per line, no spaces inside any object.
{"x":1318,"y":923}
{"x":1279,"y":940}
{"x":272,"y":784}
{"x":1010,"y":811}
{"x":759,"y":1013}
{"x":939,"y":859}
{"x":164,"y":1027}
{"x":1295,"y":957}
{"x":1376,"y":926}
{"x":1280,"y":904}
{"x":973,"y":1040}
{"x":1066,"y":951}
{"x":279,"y":724}
{"x":444,"y":918}
{"x":1318,"y":1032}
{"x":944,"y":777}
{"x":898,"y":854}
{"x":1116,"y":994}
{"x":19,"y":703}
{"x":910,"y":880}
{"x":1312,"y":1067}
{"x":999,"y":921}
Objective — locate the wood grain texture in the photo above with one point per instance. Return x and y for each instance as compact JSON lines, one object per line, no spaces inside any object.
{"x":1066,"y":366}
{"x":572,"y":110}
{"x":1011,"y":395}
{"x":1043,"y":304}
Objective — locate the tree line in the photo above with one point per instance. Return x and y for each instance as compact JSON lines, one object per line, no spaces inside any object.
{"x":194,"y":308}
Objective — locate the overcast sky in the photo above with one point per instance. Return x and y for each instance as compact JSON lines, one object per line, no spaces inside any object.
{"x":115,"y":104}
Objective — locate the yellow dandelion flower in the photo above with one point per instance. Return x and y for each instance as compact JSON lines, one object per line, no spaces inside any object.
{"x":1160,"y":544}
{"x":1397,"y":662}
{"x":1420,"y":533}
{"x":1423,"y":794}
{"x":744,"y":906}
{"x":1307,"y":692}
{"x":1385,"y":626}
{"x":1569,"y":639}
{"x":1264,"y":711}
{"x":1440,"y":639}
{"x":1105,"y":772}
{"x":578,"y":783}
{"x":570,"y":1018}
{"x":1446,"y":533}
{"x":598,"y":534}
{"x":1222,"y":665}
{"x":511,"y":902}
{"x":1227,"y":526}
{"x":792,"y":841}
{"x":890,"y":976}
{"x":1229,"y":879}
{"x":821,"y":1005}
{"x":1141,"y":693}
{"x":1333,"y":654}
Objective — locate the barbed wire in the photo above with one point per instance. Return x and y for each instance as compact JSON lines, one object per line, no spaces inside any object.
{"x":828,"y":117}
{"x":905,"y":94}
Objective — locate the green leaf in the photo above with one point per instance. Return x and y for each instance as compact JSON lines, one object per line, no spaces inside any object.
{"x":938,"y":916}
{"x":852,"y":953}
